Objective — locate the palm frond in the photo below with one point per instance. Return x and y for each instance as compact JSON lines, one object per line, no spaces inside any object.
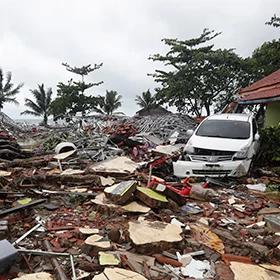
{"x":41,"y":104}
{"x":8,"y":85}
{"x":1,"y":79}
{"x":28,"y":112}
{"x":146,"y":100}
{"x":7,"y":89}
{"x":14,"y":91}
{"x":11,"y":100}
{"x":32,"y":105}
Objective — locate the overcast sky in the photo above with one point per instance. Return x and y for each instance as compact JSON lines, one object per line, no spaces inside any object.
{"x":37,"y":35}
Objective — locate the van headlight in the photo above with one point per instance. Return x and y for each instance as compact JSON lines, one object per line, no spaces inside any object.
{"x":242,"y":154}
{"x":189,"y":149}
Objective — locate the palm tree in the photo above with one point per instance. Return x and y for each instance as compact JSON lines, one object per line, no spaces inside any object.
{"x":41,"y":105}
{"x":146,"y":101}
{"x":109,"y":104}
{"x":7,"y":89}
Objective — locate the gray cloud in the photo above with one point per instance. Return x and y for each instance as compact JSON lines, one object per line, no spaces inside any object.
{"x":36,"y":36}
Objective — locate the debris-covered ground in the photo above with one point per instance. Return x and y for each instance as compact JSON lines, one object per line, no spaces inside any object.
{"x":101,"y":202}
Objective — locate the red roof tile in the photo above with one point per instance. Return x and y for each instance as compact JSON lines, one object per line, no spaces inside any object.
{"x":267,"y":87}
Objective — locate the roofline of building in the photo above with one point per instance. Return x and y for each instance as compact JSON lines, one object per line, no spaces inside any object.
{"x":259,"y":101}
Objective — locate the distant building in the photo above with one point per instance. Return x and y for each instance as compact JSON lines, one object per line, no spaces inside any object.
{"x":158,"y":110}
{"x":266,"y":92}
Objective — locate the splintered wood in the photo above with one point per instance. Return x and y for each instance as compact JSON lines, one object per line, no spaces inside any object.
{"x":204,"y":235}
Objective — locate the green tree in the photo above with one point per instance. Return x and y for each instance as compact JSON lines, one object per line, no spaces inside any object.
{"x":274,"y":21}
{"x":71,"y":97}
{"x":8,"y":90}
{"x":109,"y":103}
{"x":197,"y":75}
{"x":146,"y":100}
{"x":83,"y":71}
{"x":264,"y":60}
{"x":41,"y":105}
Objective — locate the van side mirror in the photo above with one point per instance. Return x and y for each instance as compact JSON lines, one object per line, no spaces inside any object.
{"x":257,"y":137}
{"x":190,"y":132}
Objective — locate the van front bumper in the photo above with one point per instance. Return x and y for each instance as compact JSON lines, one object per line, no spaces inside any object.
{"x":237,"y":168}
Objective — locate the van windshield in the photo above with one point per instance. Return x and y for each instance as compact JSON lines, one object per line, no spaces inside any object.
{"x":224,"y":129}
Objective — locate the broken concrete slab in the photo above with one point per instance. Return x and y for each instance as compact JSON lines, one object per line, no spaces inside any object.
{"x":36,"y":276}
{"x":102,"y":200}
{"x":257,"y":187}
{"x":122,"y":192}
{"x":146,"y":232}
{"x":150,"y":197}
{"x":4,"y":173}
{"x":108,"y":258}
{"x":118,"y":165}
{"x":107,"y":181}
{"x":136,"y":207}
{"x":167,"y":149}
{"x":88,"y":231}
{"x":98,"y":241}
{"x":251,"y":272}
{"x":71,"y":171}
{"x":272,"y":267}
{"x":118,"y":274}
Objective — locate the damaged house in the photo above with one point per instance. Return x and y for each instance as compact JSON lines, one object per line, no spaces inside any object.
{"x":265,"y":92}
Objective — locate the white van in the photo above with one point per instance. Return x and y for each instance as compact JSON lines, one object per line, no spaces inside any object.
{"x":222,"y":145}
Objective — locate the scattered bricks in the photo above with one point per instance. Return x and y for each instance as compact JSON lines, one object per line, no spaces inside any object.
{"x":165,"y":260}
{"x":88,"y":266}
{"x":55,"y":243}
{"x":257,"y":232}
{"x":223,"y":272}
{"x":173,"y":206}
{"x":227,"y":258}
{"x":257,"y":251}
{"x":91,"y":216}
{"x":124,"y":129}
{"x":276,"y":252}
{"x":3,"y":229}
{"x":114,"y":235}
{"x":273,"y":221}
{"x":65,"y":243}
{"x":272,"y":241}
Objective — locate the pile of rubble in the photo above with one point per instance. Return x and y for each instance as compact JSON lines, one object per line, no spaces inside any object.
{"x":89,"y":205}
{"x":163,"y":126}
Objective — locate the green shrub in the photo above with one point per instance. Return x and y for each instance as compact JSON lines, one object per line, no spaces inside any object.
{"x":269,"y":147}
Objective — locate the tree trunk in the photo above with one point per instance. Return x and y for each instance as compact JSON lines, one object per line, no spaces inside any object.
{"x":45,"y":120}
{"x":207,"y":107}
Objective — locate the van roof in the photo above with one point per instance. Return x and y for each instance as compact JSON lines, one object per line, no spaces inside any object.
{"x":233,"y":117}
